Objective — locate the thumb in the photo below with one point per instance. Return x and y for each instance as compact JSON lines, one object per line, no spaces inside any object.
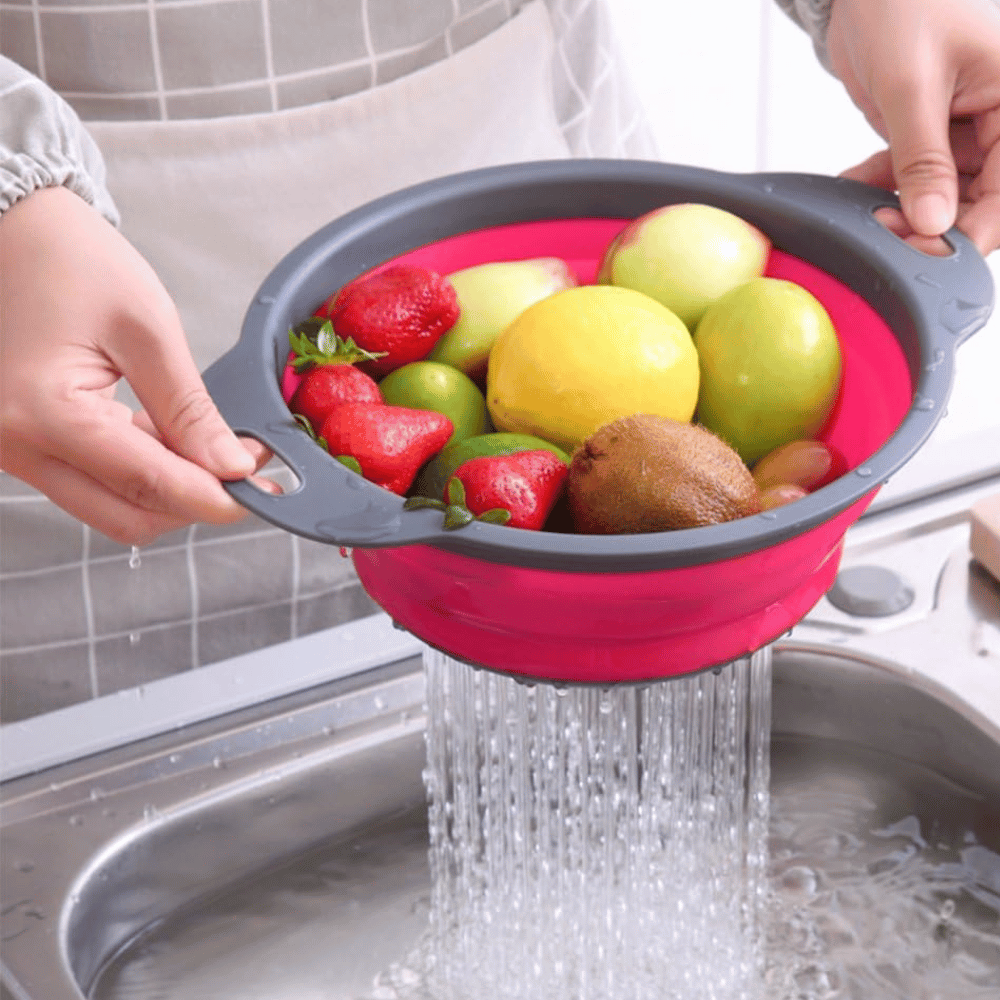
{"x":917,"y":128}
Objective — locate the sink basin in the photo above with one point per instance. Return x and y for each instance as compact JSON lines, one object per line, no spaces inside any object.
{"x":281,"y":851}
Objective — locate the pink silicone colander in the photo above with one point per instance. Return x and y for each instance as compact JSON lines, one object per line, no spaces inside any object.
{"x":606,"y":609}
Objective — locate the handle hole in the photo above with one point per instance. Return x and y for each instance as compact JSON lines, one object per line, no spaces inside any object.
{"x":930,"y":246}
{"x":275,"y":476}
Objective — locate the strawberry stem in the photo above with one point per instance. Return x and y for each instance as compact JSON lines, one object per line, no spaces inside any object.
{"x":313,"y":342}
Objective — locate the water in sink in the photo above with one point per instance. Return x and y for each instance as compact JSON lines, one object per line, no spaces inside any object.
{"x":883,"y":884}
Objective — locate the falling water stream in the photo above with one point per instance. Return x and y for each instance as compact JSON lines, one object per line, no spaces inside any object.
{"x":596,"y":844}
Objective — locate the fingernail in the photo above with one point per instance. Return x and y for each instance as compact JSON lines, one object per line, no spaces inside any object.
{"x":931,"y":214}
{"x":231,"y":459}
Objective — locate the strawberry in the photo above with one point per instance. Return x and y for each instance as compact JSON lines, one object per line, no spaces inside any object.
{"x":401,"y":312}
{"x":518,"y":490}
{"x":389,"y":443}
{"x":328,"y":373}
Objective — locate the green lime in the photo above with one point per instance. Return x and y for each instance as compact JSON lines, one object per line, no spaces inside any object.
{"x":435,"y":474}
{"x":433,"y":385}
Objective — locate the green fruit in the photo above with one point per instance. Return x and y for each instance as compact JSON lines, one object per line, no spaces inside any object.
{"x":435,"y":474}
{"x":430,"y":385}
{"x":685,"y":256}
{"x":491,"y":296}
{"x":770,"y":366}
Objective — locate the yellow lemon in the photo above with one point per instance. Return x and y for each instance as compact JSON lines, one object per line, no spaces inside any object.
{"x":585,"y":356}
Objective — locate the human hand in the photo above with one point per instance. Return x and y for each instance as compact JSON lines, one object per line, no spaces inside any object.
{"x":926,"y":74}
{"x":79,"y":308}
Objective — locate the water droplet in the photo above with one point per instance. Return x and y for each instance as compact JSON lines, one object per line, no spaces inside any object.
{"x":947,"y":910}
{"x":218,"y":763}
{"x":133,"y":638}
{"x":140,"y":692}
{"x":25,"y":866}
{"x":924,"y":404}
{"x":266,"y":300}
{"x":864,"y":472}
{"x":327,"y":730}
{"x":149,"y":812}
{"x":96,"y":793}
{"x":76,"y":820}
{"x":174,"y":758}
{"x":769,"y":515}
{"x":768,"y":188}
{"x":936,"y":362}
{"x":35,"y":913}
{"x":134,"y":560}
{"x":925,"y":279}
{"x":379,"y":702}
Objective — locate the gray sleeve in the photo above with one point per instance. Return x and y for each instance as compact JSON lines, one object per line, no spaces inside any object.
{"x":814,"y":17}
{"x":44,"y":144}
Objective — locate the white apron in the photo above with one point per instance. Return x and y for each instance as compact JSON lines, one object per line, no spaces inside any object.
{"x":214,"y":204}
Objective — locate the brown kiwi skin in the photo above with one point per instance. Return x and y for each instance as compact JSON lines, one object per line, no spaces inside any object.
{"x":646,"y":473}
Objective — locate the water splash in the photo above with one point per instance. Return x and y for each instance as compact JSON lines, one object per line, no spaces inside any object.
{"x":134,"y":559}
{"x":593,"y":844}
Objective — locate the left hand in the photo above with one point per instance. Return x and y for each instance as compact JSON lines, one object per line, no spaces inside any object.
{"x":926,"y":74}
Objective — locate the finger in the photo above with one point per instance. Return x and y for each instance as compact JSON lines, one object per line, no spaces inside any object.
{"x":876,"y":171}
{"x":260,"y":453}
{"x":164,"y":377}
{"x":980,"y":221}
{"x":917,"y":126}
{"x":93,"y":503}
{"x":896,"y":223}
{"x":137,"y":468}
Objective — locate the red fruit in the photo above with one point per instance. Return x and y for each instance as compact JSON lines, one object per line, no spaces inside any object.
{"x":326,"y":386}
{"x":326,"y":363}
{"x":402,"y":311}
{"x":526,"y":484}
{"x":390,"y":443}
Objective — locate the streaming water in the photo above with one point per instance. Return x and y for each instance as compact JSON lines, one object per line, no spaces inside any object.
{"x":591,"y":844}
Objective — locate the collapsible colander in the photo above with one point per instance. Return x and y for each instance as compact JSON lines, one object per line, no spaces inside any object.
{"x":604,"y":609}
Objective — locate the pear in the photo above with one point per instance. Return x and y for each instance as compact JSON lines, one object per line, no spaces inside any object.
{"x":490,"y":297}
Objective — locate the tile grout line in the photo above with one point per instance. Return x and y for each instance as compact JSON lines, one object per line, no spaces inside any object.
{"x":88,"y":613}
{"x":193,"y":586}
{"x":154,"y":44}
{"x":272,"y":80}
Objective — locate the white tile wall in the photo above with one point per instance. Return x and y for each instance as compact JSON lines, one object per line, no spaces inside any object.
{"x":735,"y":85}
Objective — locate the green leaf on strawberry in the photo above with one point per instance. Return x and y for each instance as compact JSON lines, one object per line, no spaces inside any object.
{"x":313,"y":342}
{"x":350,"y":461}
{"x":306,"y":424}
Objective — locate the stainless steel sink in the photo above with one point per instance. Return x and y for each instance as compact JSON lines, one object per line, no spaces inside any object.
{"x":281,"y":850}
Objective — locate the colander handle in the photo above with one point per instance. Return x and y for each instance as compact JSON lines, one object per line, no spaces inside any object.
{"x":952,"y":295}
{"x":330,"y":503}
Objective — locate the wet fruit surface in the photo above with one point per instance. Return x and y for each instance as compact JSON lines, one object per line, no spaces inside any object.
{"x":770,"y":366}
{"x":430,"y":385}
{"x":587,"y":355}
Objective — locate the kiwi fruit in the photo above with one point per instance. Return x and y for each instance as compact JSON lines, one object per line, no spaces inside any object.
{"x":647,"y":473}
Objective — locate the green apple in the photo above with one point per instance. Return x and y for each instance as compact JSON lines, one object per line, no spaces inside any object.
{"x":431,"y":385}
{"x":686,"y":256}
{"x":490,"y":297}
{"x":770,"y":366}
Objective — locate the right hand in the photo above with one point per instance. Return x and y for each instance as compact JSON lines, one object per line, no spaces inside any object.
{"x":926,"y":74}
{"x":80,"y":308}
